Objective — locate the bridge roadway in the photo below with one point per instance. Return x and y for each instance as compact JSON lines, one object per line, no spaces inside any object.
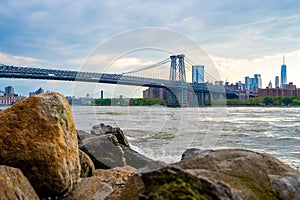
{"x":65,"y":75}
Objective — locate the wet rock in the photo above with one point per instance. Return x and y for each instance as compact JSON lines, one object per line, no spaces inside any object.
{"x":83,"y":135}
{"x":287,"y":186}
{"x":252,"y":175}
{"x":87,"y":165}
{"x":91,"y":188}
{"x":174,"y":183}
{"x":116,"y":178}
{"x":106,"y":152}
{"x":101,"y":129}
{"x":14,"y":185}
{"x":38,"y":136}
{"x":194,"y":152}
{"x":135,"y":159}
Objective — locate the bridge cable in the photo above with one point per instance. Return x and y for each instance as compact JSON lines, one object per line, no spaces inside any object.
{"x":149,"y":67}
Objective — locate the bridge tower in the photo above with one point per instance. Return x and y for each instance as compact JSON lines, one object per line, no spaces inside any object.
{"x":177,"y":69}
{"x":177,"y":96}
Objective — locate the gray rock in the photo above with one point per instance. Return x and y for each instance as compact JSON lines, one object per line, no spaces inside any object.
{"x":287,"y":186}
{"x":108,"y":151}
{"x":194,"y":152}
{"x":101,"y":129}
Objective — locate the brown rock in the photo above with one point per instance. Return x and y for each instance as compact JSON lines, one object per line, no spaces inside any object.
{"x":91,"y":188}
{"x":252,"y":175}
{"x":38,"y":136}
{"x":116,"y":177}
{"x":14,"y":185}
{"x":87,"y":165}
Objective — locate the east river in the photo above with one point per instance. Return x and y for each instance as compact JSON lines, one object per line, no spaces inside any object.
{"x":163,"y":133}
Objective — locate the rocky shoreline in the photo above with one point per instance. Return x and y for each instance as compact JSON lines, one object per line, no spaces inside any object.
{"x":43,"y":156}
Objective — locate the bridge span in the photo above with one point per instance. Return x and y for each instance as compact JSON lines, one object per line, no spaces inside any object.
{"x":7,"y":71}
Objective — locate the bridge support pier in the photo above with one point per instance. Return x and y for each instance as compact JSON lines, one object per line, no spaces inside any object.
{"x":177,"y":97}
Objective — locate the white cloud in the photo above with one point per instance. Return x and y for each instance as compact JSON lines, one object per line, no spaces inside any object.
{"x":18,"y":60}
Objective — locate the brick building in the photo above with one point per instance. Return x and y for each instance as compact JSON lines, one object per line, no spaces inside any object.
{"x":289,"y":90}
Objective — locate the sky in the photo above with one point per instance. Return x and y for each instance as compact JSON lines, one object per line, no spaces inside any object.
{"x":241,"y":38}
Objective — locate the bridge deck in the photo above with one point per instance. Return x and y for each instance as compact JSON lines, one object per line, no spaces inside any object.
{"x":66,"y":75}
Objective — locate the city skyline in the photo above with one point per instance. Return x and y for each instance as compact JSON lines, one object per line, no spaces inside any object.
{"x":250,"y":39}
{"x":198,"y":72}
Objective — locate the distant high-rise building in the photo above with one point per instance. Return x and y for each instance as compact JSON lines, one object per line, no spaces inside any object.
{"x":283,"y":74}
{"x":247,"y":83}
{"x":198,"y":74}
{"x":258,"y":80}
{"x":9,"y":91}
{"x":276,"y":81}
{"x":253,"y":83}
{"x":270,"y":84}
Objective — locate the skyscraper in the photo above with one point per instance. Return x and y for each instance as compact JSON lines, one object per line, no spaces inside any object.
{"x":9,"y":91}
{"x":198,"y":74}
{"x":283,"y":74}
{"x":247,"y":83}
{"x":258,"y":80}
{"x":276,"y":81}
{"x":270,"y":84}
{"x":253,"y":83}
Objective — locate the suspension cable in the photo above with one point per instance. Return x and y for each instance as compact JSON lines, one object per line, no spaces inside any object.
{"x":149,"y":67}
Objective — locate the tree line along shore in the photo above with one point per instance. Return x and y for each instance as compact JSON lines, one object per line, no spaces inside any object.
{"x":256,"y":101}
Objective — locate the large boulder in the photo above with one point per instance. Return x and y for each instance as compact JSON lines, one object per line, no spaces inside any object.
{"x":38,"y":136}
{"x":252,"y":175}
{"x":106,"y":151}
{"x":174,"y":183}
{"x":14,"y":185}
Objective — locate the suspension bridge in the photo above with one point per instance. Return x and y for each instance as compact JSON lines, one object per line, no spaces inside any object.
{"x":176,"y":85}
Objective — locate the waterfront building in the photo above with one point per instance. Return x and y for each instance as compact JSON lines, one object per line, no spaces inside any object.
{"x":9,"y":97}
{"x":289,"y":90}
{"x":198,"y":74}
{"x":9,"y":91}
{"x":153,"y":92}
{"x":276,"y":81}
{"x":283,"y":74}
{"x":219,"y":82}
{"x":38,"y":91}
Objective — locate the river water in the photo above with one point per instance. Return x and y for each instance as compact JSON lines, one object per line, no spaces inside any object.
{"x":163,"y":133}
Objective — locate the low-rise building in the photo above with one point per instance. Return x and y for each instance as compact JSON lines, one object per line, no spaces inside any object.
{"x":9,"y":97}
{"x":289,"y":90}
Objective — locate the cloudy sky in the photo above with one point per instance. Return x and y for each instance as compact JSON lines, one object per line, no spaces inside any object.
{"x":240,"y":37}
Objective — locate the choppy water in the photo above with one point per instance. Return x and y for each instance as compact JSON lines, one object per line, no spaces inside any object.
{"x":164,"y":133}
